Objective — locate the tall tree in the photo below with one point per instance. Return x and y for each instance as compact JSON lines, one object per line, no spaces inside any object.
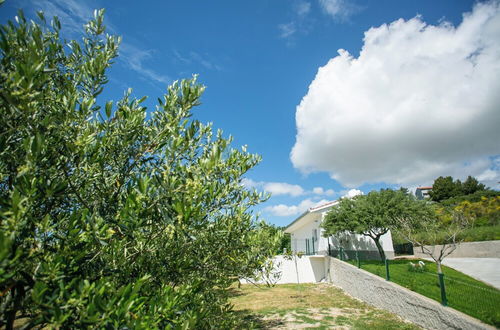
{"x":374,"y":214}
{"x":444,"y":188}
{"x":471,"y":185}
{"x":113,"y":215}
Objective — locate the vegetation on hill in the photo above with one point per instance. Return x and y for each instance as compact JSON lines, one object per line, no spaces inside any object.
{"x":478,"y":204}
{"x":445,"y":188}
{"x":112,"y":215}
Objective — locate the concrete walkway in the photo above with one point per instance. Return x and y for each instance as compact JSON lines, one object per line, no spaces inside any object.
{"x":483,"y":269}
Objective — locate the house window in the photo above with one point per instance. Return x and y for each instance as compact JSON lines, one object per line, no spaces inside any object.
{"x":315,"y":235}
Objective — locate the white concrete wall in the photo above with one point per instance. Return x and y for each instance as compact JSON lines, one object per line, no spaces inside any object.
{"x":310,"y":269}
{"x":486,"y":249}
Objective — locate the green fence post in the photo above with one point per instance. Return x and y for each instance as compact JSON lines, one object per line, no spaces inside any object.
{"x":387,"y":276}
{"x":357,"y":259}
{"x":444,"y":301}
{"x":341,"y":254}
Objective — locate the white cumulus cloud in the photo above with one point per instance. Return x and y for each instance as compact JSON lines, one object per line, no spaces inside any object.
{"x":275,"y":188}
{"x":352,"y":192}
{"x":420,"y":101}
{"x":283,"y":210}
{"x":320,"y":191}
{"x":282,"y":188}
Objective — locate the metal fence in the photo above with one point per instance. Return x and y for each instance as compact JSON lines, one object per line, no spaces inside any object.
{"x":307,"y":246}
{"x":403,"y":249}
{"x":346,"y":255}
{"x":452,"y":289}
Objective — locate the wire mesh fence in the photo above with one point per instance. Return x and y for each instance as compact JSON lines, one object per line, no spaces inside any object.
{"x":452,"y":288}
{"x":476,"y":300}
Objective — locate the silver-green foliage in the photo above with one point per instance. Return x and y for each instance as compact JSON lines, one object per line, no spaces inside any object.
{"x":374,"y":214}
{"x":109,"y":216}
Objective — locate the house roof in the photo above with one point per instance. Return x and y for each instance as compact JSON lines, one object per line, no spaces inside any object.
{"x":323,"y":206}
{"x":309,"y":215}
{"x":424,"y":188}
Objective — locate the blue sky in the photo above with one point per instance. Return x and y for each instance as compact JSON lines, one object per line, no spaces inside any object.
{"x":387,"y":118}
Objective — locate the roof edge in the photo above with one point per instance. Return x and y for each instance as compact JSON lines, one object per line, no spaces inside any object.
{"x":300,"y":217}
{"x":310,"y":210}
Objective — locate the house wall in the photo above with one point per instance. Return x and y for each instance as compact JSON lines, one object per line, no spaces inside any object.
{"x":356,"y":242}
{"x":299,"y":236}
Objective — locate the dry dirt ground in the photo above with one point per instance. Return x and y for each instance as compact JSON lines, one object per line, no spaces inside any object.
{"x":309,"y":306}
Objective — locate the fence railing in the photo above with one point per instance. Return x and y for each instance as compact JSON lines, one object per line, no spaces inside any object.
{"x":344,"y":254}
{"x":452,"y":288}
{"x":307,"y":246}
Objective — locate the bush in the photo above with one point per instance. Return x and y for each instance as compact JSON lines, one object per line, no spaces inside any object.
{"x":418,"y":267}
{"x":112,"y":216}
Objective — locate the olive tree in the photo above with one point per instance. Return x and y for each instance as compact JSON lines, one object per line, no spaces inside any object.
{"x":434,"y":237}
{"x":373,"y":215}
{"x":113,"y":215}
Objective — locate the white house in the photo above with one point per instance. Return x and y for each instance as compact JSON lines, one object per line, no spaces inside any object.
{"x":307,"y":237}
{"x":423,"y":192}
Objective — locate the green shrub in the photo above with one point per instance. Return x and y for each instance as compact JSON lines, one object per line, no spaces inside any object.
{"x":113,"y":216}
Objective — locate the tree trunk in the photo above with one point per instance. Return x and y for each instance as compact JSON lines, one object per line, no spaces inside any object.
{"x":379,"y":247}
{"x":438,"y":265}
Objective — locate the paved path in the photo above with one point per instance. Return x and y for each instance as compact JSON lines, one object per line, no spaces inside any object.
{"x":483,"y":269}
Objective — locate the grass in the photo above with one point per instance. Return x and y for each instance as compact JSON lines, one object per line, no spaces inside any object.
{"x":464,"y":293}
{"x":316,"y":306}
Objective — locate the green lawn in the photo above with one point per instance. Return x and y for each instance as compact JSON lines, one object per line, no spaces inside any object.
{"x":311,"y":306}
{"x":464,"y":293}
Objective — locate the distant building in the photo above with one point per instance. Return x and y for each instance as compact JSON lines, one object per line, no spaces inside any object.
{"x":423,"y":192}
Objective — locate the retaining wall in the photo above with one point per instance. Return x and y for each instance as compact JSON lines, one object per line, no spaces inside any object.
{"x":394,"y":298}
{"x":311,"y":269}
{"x":486,"y":249}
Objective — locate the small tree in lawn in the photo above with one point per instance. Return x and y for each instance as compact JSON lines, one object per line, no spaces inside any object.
{"x":262,"y":267}
{"x":373,"y":215}
{"x":429,"y":231}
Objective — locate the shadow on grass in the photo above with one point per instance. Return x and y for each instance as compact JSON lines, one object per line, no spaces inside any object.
{"x":250,"y":320}
{"x":234,"y":292}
